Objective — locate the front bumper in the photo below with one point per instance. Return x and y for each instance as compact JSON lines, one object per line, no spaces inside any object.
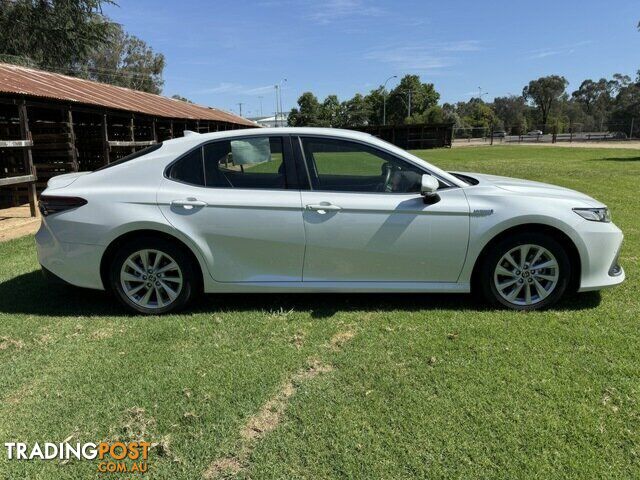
{"x":74,"y":263}
{"x":600,"y":256}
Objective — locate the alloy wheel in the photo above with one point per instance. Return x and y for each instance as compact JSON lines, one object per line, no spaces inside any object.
{"x":151,"y":278}
{"x":526,"y":275}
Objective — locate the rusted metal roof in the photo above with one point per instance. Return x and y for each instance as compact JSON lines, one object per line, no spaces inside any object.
{"x":37,"y":83}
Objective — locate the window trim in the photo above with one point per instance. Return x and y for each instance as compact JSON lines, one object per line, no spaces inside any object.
{"x":303,"y":159}
{"x":287,"y":155}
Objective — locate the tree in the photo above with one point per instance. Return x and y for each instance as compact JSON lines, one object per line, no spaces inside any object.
{"x":374,"y":101}
{"x":308,"y":113}
{"x":544,"y":93}
{"x":512,"y":112}
{"x":126,"y":61}
{"x":626,"y":109}
{"x":54,"y":35}
{"x":480,"y":115}
{"x":176,"y":96}
{"x":411,"y":94}
{"x":330,"y":112}
{"x":595,"y":96}
{"x":356,"y":111}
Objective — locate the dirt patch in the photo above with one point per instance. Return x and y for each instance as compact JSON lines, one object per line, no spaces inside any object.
{"x":8,"y":342}
{"x":340,"y":339}
{"x":17,"y":222}
{"x":136,"y":425}
{"x":21,"y":393}
{"x":298,"y":340}
{"x":266,"y":420}
{"x":101,"y":334}
{"x":577,"y":144}
{"x":223,"y":466}
{"x":270,"y":415}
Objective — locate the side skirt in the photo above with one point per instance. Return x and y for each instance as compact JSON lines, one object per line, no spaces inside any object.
{"x":339,"y":287}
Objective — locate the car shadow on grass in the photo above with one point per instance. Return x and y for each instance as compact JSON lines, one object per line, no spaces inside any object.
{"x":31,"y":294}
{"x":619,"y":159}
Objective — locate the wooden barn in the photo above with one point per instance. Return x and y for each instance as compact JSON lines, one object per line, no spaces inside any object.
{"x":52,"y":124}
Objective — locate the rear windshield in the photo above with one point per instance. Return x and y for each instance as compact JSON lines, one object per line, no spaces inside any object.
{"x":138,"y":154}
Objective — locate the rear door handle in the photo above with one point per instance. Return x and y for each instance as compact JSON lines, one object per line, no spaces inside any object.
{"x":189,"y":203}
{"x":324,"y":207}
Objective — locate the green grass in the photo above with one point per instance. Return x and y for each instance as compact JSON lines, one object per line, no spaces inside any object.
{"x":430,"y":386}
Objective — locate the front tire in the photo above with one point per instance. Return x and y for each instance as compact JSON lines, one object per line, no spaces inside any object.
{"x":152,"y":276}
{"x":526,"y":271}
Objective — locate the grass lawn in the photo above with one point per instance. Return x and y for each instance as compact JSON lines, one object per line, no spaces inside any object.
{"x":339,"y":386}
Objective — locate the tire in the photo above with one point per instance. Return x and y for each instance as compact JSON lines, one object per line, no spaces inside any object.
{"x":168,"y":283}
{"x":519,"y":284}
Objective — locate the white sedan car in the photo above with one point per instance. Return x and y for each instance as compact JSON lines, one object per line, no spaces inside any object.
{"x":317,"y":210}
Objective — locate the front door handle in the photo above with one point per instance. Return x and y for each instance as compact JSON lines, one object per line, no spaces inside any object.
{"x":189,"y":203}
{"x":323,"y":207}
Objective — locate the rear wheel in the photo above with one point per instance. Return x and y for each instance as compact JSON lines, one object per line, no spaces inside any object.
{"x":152,"y":276}
{"x":527,"y":271}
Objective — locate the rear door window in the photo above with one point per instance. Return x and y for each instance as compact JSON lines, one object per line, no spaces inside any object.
{"x":254,"y":163}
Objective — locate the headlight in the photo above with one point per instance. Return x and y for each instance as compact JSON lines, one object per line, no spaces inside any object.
{"x":594,"y":214}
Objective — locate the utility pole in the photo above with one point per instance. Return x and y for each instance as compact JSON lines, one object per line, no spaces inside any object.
{"x":384,"y":99}
{"x":275,"y":123}
{"x":240,"y":105}
{"x":284,"y":80}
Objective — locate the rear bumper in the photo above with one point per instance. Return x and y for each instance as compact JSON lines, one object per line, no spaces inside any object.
{"x":51,"y":277}
{"x":73,"y":263}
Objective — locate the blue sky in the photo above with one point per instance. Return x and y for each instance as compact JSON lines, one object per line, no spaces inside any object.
{"x":223,"y":52}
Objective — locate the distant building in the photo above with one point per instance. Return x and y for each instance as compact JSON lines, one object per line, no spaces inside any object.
{"x":279,"y":120}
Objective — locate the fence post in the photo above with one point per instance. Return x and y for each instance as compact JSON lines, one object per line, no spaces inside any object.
{"x":570,"y":131}
{"x":27,"y":157}
{"x":105,"y":140}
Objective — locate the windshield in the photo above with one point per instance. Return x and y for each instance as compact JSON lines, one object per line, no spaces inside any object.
{"x":134,"y":155}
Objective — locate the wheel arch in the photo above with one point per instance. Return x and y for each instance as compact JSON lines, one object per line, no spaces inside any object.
{"x":558,"y":235}
{"x":117,"y":242}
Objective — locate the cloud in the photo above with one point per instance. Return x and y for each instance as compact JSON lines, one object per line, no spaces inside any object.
{"x":332,"y":10}
{"x":425,"y":57}
{"x":259,"y":90}
{"x":460,"y":46}
{"x":237,"y":88}
{"x":223,"y":87}
{"x":557,"y":50}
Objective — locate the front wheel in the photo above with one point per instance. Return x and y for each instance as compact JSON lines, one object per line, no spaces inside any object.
{"x":527,"y":271}
{"x":152,"y":276}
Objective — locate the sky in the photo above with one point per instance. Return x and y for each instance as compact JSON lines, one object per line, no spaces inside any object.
{"x":220,"y":53}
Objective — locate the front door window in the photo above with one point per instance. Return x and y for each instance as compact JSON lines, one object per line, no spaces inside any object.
{"x":344,"y":166}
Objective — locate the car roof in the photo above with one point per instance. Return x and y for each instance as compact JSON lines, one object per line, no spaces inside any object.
{"x":193,"y":137}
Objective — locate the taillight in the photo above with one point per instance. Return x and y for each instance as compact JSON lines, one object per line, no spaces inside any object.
{"x":49,"y":204}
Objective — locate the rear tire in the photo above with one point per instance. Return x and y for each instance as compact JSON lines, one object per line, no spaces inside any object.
{"x":526,"y":271}
{"x":152,"y":276}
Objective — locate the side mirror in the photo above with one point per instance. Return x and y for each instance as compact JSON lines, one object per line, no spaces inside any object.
{"x":429,"y":189}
